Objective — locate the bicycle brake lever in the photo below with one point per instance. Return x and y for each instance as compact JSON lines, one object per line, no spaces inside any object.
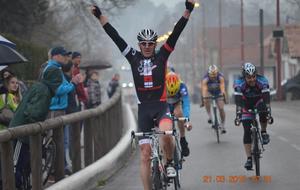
{"x":237,"y":122}
{"x":270,"y":120}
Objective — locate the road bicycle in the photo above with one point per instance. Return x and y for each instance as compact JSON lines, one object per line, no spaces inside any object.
{"x":257,"y":146}
{"x":215,"y":123}
{"x":160,"y":180}
{"x":48,"y":156}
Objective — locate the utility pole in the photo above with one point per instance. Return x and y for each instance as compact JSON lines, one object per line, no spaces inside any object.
{"x":204,"y":38}
{"x":278,"y":53}
{"x":220,"y":35}
{"x":242,"y":34}
{"x":261,"y":36}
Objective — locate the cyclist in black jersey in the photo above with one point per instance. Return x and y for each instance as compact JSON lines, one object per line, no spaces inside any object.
{"x":149,"y":70}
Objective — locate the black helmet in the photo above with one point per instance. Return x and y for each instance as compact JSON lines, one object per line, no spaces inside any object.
{"x":147,"y":35}
{"x":248,"y":69}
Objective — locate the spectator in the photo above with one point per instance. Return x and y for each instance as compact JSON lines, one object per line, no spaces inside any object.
{"x":9,"y":100}
{"x":113,"y":84}
{"x":34,"y":107}
{"x":94,"y":90}
{"x":81,"y":95}
{"x":6,"y":73}
{"x":71,"y":108}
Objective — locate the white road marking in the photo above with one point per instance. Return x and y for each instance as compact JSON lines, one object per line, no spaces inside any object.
{"x":296,"y":146}
{"x":283,"y":139}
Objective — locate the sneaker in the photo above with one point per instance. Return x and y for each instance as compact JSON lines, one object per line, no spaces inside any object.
{"x":51,"y":179}
{"x":68,"y":172}
{"x":248,"y":164}
{"x":171,"y":172}
{"x":265,"y":137}
{"x":222,"y":128}
{"x":209,"y":121}
{"x":185,"y":151}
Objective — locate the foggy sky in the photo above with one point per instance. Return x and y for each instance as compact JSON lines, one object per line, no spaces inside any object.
{"x":169,"y":3}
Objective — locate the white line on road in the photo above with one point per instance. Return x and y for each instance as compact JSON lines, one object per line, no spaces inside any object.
{"x":295,"y":146}
{"x":283,"y":139}
{"x":271,"y":133}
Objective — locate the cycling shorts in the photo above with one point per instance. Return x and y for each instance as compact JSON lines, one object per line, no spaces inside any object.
{"x":150,"y":115}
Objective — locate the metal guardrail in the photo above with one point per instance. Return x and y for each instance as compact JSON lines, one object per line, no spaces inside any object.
{"x":102,"y":130}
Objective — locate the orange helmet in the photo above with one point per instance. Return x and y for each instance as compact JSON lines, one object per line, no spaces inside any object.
{"x":213,"y":71}
{"x":173,"y":83}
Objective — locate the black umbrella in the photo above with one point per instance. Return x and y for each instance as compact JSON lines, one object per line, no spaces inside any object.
{"x":95,"y":64}
{"x":9,"y":56}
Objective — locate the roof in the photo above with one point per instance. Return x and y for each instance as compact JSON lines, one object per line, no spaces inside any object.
{"x":292,"y":34}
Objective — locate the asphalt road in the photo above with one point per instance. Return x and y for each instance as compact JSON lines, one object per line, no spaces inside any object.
{"x":220,"y":166}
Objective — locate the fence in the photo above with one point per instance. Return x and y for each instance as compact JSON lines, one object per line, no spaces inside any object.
{"x":102,"y":130}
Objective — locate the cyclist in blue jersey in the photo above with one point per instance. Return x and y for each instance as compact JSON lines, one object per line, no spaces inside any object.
{"x":149,"y":70}
{"x":213,"y":83}
{"x":179,"y":104}
{"x":252,"y":91}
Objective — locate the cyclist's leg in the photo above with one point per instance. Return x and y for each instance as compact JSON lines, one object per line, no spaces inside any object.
{"x":208,"y":109}
{"x":247,"y":142}
{"x":21,"y":161}
{"x":145,"y":164}
{"x":145,"y":123}
{"x":263,"y":122}
{"x":183,"y":141}
{"x":220,"y":104}
{"x":167,"y":144}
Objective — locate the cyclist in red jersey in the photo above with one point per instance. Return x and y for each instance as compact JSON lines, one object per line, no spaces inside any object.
{"x":149,"y":70}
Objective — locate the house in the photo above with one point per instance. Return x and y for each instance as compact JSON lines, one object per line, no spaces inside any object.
{"x":291,"y":51}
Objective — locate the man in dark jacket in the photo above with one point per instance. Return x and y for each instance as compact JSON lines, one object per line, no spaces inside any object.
{"x":33,"y":108}
{"x":113,"y":84}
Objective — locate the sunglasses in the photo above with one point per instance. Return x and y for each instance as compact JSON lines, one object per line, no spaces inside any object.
{"x":249,"y":77}
{"x":147,"y":43}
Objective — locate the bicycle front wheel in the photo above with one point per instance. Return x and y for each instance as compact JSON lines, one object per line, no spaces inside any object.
{"x":178,"y":166}
{"x":48,"y":158}
{"x":156,"y":176}
{"x":216,"y":125}
{"x":256,"y":154}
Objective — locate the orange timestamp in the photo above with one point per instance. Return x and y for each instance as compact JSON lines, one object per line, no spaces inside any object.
{"x":235,"y":179}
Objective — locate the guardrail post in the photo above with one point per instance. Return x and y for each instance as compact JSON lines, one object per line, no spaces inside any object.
{"x":8,"y":177}
{"x":36,"y":161}
{"x":88,"y":142}
{"x":59,"y":166}
{"x":75,"y":148}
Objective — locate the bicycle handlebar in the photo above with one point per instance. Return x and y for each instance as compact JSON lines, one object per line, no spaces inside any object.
{"x":214,"y":97}
{"x":148,"y":134}
{"x":237,"y":120}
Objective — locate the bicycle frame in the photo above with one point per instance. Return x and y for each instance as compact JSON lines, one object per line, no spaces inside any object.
{"x":257,"y":146}
{"x":216,"y":120}
{"x":156,"y":157}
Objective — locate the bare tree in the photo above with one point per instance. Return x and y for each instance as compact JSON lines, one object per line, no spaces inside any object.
{"x":295,"y":2}
{"x":70,"y":23}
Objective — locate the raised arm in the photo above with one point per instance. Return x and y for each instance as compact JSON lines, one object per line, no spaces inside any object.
{"x":109,"y":29}
{"x":189,"y":4}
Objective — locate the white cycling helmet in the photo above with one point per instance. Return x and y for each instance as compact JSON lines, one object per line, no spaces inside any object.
{"x":249,"y":69}
{"x":213,"y":70}
{"x":147,"y":35}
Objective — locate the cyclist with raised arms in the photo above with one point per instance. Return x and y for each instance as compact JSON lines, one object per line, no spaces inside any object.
{"x":252,"y":91}
{"x":149,"y":70}
{"x":213,"y":83}
{"x":179,"y":104}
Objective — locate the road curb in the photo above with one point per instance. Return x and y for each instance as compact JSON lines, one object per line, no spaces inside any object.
{"x":104,"y":168}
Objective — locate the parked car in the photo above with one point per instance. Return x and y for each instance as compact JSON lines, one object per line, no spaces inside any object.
{"x":291,"y":88}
